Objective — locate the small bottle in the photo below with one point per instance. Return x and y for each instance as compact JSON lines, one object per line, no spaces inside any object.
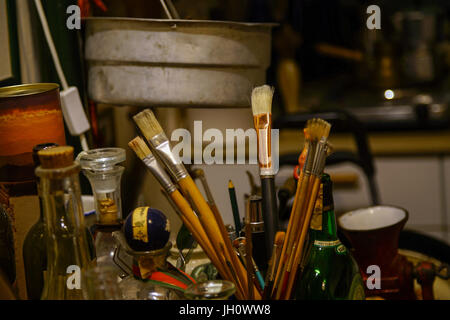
{"x":330,"y":272}
{"x":101,"y":167}
{"x":67,"y":246}
{"x":35,"y":246}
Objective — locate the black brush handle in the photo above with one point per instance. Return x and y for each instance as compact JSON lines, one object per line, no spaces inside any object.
{"x":270,"y":211}
{"x":260,"y":250}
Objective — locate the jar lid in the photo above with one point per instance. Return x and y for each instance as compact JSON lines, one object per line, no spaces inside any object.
{"x":101,"y":159}
{"x":26,"y":89}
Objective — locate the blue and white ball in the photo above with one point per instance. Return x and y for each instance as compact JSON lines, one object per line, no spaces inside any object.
{"x":146,"y":229}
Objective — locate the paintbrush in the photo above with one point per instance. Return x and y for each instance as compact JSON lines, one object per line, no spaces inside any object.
{"x":239,"y":245}
{"x":316,"y":129}
{"x":295,"y":218}
{"x":199,"y":173}
{"x":276,"y":252}
{"x":187,"y":215}
{"x":234,"y":207}
{"x":323,"y":149}
{"x":248,"y":254}
{"x":151,"y":129}
{"x":262,"y":118}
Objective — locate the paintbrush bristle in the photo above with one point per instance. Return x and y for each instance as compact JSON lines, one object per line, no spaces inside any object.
{"x":139,"y":146}
{"x":279,"y":238}
{"x":262,"y":99}
{"x":319,"y":129}
{"x":147,"y":122}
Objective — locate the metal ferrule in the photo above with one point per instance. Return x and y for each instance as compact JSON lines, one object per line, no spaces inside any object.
{"x":320,"y":157}
{"x":159,"y":173}
{"x":266,"y":172}
{"x":162,"y":147}
{"x":307,"y":167}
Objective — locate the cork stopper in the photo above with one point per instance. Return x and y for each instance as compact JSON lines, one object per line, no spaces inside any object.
{"x":57,"y":157}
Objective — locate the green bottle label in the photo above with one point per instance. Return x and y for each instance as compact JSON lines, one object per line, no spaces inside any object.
{"x":334,"y":243}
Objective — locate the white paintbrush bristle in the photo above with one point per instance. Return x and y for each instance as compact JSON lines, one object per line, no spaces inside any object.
{"x":147,"y":122}
{"x":139,"y":146}
{"x":262,"y":99}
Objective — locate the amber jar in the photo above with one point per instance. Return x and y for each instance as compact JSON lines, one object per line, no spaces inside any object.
{"x":30,"y":114}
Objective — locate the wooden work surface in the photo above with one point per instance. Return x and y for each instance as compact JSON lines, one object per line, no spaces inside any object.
{"x":381,"y":143}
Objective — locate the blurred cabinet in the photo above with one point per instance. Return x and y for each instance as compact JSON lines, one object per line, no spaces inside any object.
{"x":446,"y":192}
{"x":416,"y":184}
{"x":421,"y":185}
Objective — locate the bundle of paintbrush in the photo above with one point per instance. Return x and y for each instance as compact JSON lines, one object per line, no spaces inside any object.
{"x":313,"y":162}
{"x":205,"y":224}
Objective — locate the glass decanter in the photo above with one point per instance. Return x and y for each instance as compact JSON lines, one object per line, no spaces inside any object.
{"x":67,"y":245}
{"x":101,"y":168}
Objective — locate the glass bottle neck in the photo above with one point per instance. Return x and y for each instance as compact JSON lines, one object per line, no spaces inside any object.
{"x":328,"y":229}
{"x":67,"y":247}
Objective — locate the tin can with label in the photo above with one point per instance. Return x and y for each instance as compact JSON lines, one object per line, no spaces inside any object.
{"x":30,"y":114}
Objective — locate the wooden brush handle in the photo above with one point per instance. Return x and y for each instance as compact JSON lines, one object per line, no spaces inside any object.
{"x":211,"y":227}
{"x":196,"y":224}
{"x":270,"y":211}
{"x":304,"y":232}
{"x":191,"y":221}
{"x":234,"y":259}
{"x":293,"y":232}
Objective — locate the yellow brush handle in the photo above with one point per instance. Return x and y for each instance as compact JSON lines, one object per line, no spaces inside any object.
{"x":280,"y":262}
{"x":210,"y":225}
{"x":304,"y":232}
{"x":292,"y":237}
{"x":234,"y":258}
{"x":191,"y":221}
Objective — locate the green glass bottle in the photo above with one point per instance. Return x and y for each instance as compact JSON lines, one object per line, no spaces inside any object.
{"x":35,"y":245}
{"x":330,"y":272}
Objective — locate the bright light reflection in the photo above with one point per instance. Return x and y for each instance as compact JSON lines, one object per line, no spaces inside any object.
{"x":389,"y":94}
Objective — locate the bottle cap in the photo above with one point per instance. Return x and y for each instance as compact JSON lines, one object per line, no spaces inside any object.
{"x":101,"y":159}
{"x":57,"y":157}
{"x":39,"y":147}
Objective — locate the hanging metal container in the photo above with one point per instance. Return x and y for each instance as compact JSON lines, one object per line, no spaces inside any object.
{"x":175,"y":63}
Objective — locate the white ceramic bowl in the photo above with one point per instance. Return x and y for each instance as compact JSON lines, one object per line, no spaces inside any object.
{"x":372,"y":218}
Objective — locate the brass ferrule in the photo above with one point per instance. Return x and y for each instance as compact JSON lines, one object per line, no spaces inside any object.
{"x":320,"y":157}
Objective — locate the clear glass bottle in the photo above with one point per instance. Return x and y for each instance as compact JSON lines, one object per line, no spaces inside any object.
{"x":67,"y":246}
{"x":101,"y":168}
{"x":330,"y":272}
{"x":35,"y":246}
